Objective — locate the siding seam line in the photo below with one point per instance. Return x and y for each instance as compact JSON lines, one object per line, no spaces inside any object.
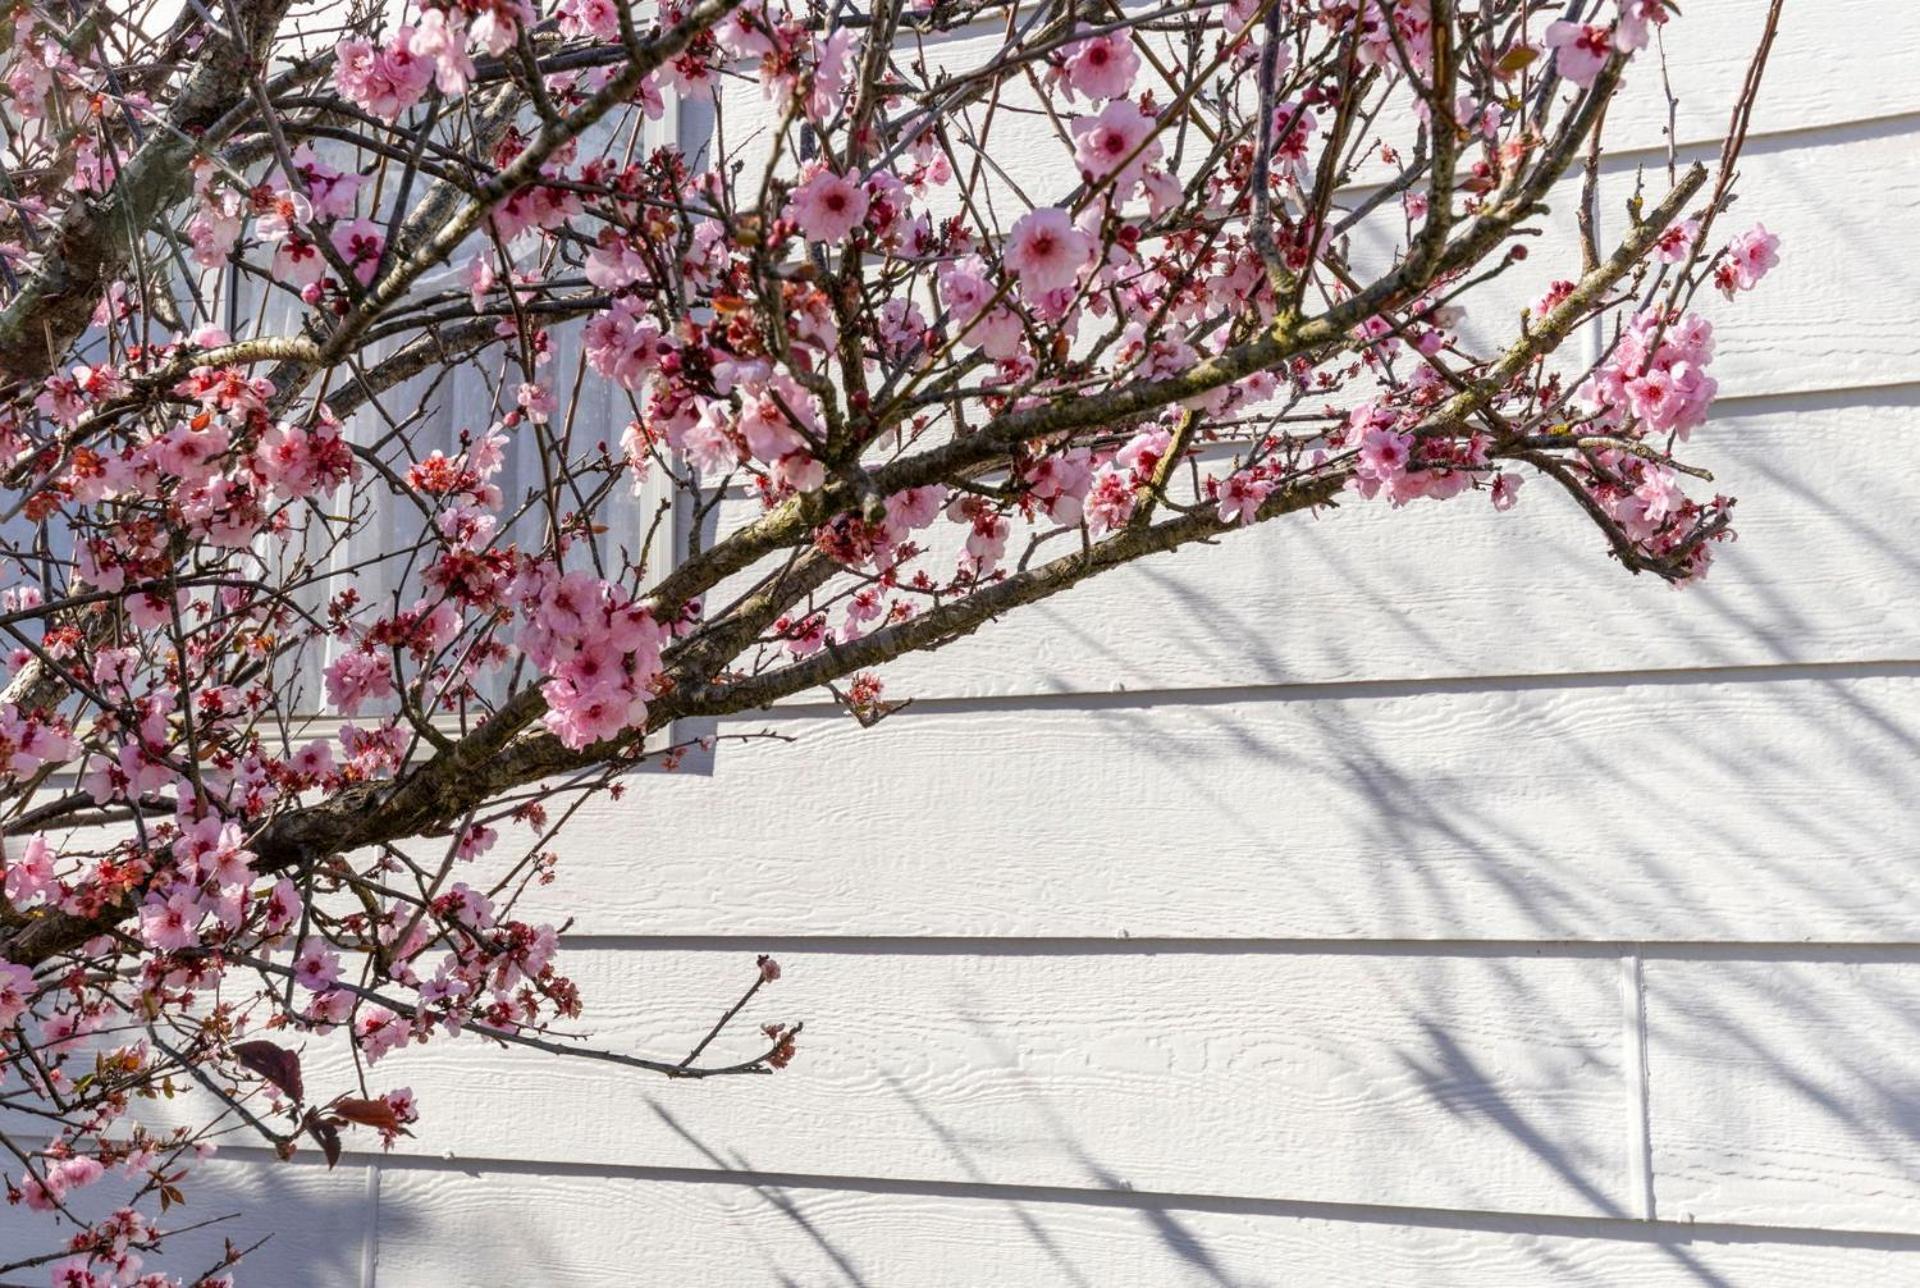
{"x":1279,"y":692}
{"x":1633,"y":997}
{"x":1830,"y":952}
{"x":370,"y":1234}
{"x":1518,"y":1220}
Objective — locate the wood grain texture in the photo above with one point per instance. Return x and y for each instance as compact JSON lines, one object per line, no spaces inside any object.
{"x":1755,"y":808}
{"x":460,"y":1229}
{"x":1465,"y":1082}
{"x":1833,"y":63}
{"x":1786,"y":1091}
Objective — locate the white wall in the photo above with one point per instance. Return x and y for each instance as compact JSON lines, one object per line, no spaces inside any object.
{"x":1381,"y":899}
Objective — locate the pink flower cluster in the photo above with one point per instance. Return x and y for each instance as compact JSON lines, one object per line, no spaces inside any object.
{"x":386,"y":80}
{"x":600,"y":650}
{"x":383,"y":80}
{"x":1582,"y":49}
{"x":1656,"y":376}
{"x":828,"y":206}
{"x":1101,"y":67}
{"x":1390,"y":461}
{"x":1750,"y":257}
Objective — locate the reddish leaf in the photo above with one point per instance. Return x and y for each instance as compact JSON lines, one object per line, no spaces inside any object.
{"x":369,"y":1113}
{"x":276,"y":1064}
{"x":327,"y":1135}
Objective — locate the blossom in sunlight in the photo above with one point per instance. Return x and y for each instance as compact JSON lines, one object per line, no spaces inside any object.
{"x":1580,"y":50}
{"x":1046,"y":251}
{"x":1102,"y":66}
{"x":828,"y":206}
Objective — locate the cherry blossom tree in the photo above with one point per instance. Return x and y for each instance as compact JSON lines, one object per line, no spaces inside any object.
{"x":305,"y":675}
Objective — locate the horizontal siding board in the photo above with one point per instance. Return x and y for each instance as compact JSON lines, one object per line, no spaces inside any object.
{"x":492,"y":1229}
{"x":1766,"y":810}
{"x":1822,"y":572}
{"x":1837,"y":311}
{"x":1833,"y":63}
{"x":1786,"y":1092}
{"x":1452,"y":1082}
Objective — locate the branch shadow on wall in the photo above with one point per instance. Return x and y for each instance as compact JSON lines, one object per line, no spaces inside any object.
{"x":307,"y":1226}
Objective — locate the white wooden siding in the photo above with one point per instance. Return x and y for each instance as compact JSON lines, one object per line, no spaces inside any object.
{"x":1378,"y":899}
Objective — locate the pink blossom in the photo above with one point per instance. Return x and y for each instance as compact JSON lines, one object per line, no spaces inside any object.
{"x":360,"y":243}
{"x":828,"y":206}
{"x":378,"y":1031}
{"x":30,"y":876}
{"x":708,"y":444}
{"x":805,"y":637}
{"x":476,"y":841}
{"x":313,"y":760}
{"x":1751,"y":256}
{"x":1506,"y":490}
{"x":767,"y":428}
{"x":1671,"y":398}
{"x":1557,"y":294}
{"x":441,"y":39}
{"x":987,"y":539}
{"x":332,"y":192}
{"x":328,"y":1009}
{"x":383,"y":82}
{"x":93,"y":170}
{"x":35,"y":741}
{"x":298,"y":262}
{"x":481,"y":277}
{"x":623,"y":343}
{"x":214,"y":230}
{"x":1047,"y":251}
{"x":1117,"y":142}
{"x":1580,"y":51}
{"x":1060,"y":482}
{"x":1143,"y":453}
{"x":170,"y":924}
{"x":743,"y":32}
{"x":1102,"y":66}
{"x":832,"y":66}
{"x":916,"y":507}
{"x":357,"y":677}
{"x":62,"y":400}
{"x":965,"y":290}
{"x":45,"y":1196}
{"x":498,"y":24}
{"x":1676,"y":243}
{"x":1384,"y":453}
{"x":1637,"y":20}
{"x":16,"y":986}
{"x":1293,"y":129}
{"x":283,"y":906}
{"x":79,"y":1171}
{"x":601,"y":650}
{"x":316,"y":967}
{"x":1238,"y":497}
{"x":1109,"y":502}
{"x":1656,"y":374}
